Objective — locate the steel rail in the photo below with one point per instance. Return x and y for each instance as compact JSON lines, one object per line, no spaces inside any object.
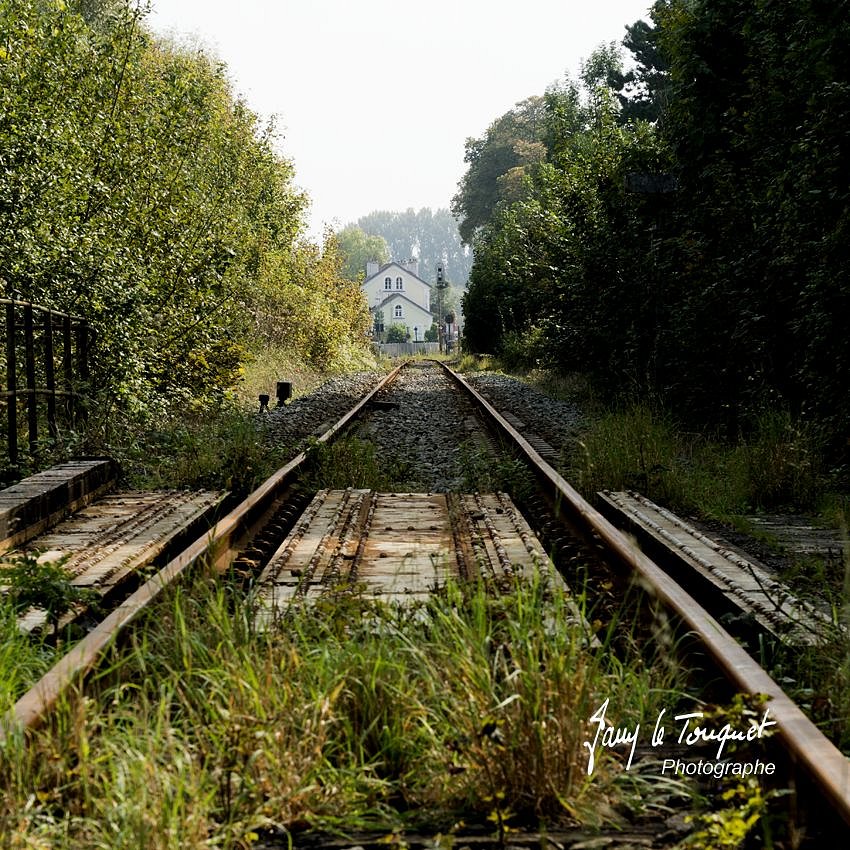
{"x":805,"y":743}
{"x":219,"y":546}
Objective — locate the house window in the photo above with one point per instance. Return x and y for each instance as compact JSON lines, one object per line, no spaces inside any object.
{"x":399,"y":283}
{"x":397,"y":311}
{"x":388,"y":283}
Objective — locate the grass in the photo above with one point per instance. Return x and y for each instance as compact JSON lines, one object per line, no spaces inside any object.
{"x":23,"y":658}
{"x":225,"y":449}
{"x":267,"y":367}
{"x":777,"y":467}
{"x":350,"y":462}
{"x":209,"y":733}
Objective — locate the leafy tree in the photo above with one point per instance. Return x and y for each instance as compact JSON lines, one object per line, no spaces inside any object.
{"x":643,"y":91}
{"x":497,"y":163}
{"x":315,"y":320}
{"x":358,"y":248}
{"x":757,"y":120}
{"x":138,"y":190}
{"x":430,"y":237}
{"x":700,"y":255}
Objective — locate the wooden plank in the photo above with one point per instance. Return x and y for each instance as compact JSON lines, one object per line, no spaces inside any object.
{"x":40,"y":501}
{"x":399,"y":547}
{"x":748,"y":588}
{"x":122,"y":533}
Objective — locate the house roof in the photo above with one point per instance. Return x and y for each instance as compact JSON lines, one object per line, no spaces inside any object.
{"x":400,"y":267}
{"x":401,"y":295}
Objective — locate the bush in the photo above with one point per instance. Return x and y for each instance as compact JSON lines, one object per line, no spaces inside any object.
{"x":397,"y":333}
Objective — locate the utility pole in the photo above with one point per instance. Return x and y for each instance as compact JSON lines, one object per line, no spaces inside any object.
{"x":441,"y":285}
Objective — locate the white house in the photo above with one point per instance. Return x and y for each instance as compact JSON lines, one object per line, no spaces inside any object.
{"x":397,"y":291}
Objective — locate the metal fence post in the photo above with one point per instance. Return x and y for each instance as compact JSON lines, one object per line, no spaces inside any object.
{"x":50,"y":374}
{"x":29,"y":368}
{"x":11,"y":385}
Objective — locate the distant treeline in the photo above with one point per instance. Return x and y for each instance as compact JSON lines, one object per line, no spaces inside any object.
{"x":429,"y":236}
{"x":680,"y":231}
{"x":136,"y":189}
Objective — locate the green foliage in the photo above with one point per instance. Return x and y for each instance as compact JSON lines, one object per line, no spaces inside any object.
{"x":498,"y":161}
{"x":23,"y":658}
{"x":302,"y":302}
{"x":728,"y":828}
{"x":397,"y":333}
{"x":642,"y":91}
{"x":430,"y":236}
{"x":699,"y":259}
{"x":138,"y":190}
{"x":784,"y":463}
{"x":777,"y":467}
{"x":34,"y":584}
{"x":350,"y":715}
{"x":358,"y":248}
{"x":221,"y":450}
{"x":350,"y":462}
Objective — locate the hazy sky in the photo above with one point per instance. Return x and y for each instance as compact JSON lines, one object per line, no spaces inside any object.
{"x":375,"y":98}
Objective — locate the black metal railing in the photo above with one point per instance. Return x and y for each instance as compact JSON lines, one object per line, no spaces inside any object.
{"x":47,"y":373}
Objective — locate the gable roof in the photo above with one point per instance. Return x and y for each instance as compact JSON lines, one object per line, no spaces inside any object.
{"x":401,"y":268}
{"x":401,"y":295}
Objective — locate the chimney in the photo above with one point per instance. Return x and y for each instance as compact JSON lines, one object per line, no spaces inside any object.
{"x":371,"y":269}
{"x":412,"y":266}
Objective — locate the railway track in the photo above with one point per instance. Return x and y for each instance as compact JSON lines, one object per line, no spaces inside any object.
{"x":356,"y":537}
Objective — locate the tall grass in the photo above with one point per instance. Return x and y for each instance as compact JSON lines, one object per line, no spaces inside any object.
{"x":226,"y":450}
{"x":365,"y":716}
{"x":777,"y":466}
{"x":23,"y":658}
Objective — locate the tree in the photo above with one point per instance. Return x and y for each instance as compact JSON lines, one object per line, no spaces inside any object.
{"x":138,"y":190}
{"x":643,"y":91}
{"x":699,"y":256}
{"x":429,"y":237}
{"x":497,"y":163}
{"x":397,"y":333}
{"x":757,"y":119}
{"x":359,"y":248}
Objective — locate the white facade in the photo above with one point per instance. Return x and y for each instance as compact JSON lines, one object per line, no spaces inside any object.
{"x":401,"y":295}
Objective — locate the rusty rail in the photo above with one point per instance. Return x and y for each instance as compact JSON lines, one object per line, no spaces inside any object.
{"x":806,"y":744}
{"x":219,"y":547}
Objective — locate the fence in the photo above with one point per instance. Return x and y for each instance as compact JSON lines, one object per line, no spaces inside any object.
{"x":53,"y":349}
{"x":408,"y":349}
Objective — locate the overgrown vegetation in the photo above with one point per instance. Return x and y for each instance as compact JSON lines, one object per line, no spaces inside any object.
{"x":32,"y":583}
{"x":351,"y":462}
{"x":367,"y":716}
{"x":779,"y":466}
{"x":138,"y":190}
{"x":221,"y":448}
{"x":679,"y":232}
{"x":23,"y":658}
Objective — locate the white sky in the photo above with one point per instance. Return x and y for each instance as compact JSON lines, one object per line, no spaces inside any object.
{"x":375,"y":98}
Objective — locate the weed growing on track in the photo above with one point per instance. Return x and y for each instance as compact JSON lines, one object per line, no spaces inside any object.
{"x":350,"y":462}
{"x":23,"y":658}
{"x":363,"y":717}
